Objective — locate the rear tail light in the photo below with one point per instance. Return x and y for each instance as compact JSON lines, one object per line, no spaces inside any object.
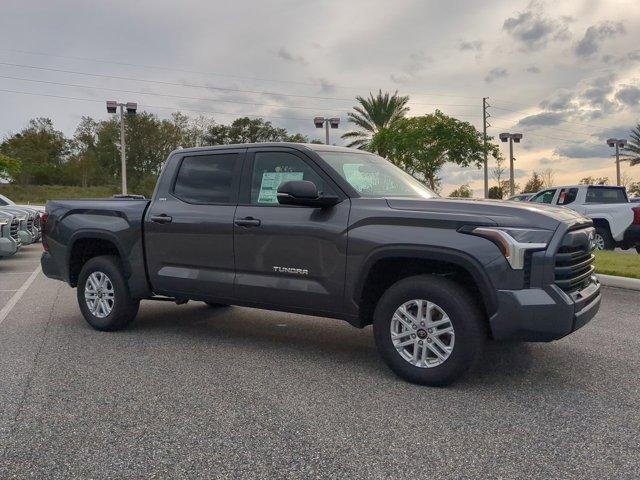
{"x":44,"y":216}
{"x":636,"y":215}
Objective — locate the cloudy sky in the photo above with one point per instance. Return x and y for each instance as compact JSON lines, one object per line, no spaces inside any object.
{"x":566,"y":73}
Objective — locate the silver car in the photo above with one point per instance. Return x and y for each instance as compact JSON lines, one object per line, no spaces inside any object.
{"x":10,"y":241}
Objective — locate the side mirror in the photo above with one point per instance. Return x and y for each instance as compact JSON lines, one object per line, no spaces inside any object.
{"x":304,"y":193}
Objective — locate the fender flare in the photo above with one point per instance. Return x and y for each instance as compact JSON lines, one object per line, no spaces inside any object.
{"x":440,"y":254}
{"x":91,"y":233}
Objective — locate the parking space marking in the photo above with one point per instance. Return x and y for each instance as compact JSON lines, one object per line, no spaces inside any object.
{"x":18,"y":295}
{"x":5,"y":291}
{"x":16,"y":273}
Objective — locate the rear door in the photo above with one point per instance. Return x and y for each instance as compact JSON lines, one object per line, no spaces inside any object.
{"x":290,"y":256}
{"x":189,"y":225}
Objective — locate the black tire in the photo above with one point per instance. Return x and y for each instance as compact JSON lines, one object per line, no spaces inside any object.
{"x":466,"y":319}
{"x":216,"y":305}
{"x":608,"y":241}
{"x":124,"y":308}
{"x":638,"y":249}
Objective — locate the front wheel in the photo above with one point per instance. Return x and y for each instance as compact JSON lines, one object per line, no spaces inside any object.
{"x":428,"y":330}
{"x":103,"y":294}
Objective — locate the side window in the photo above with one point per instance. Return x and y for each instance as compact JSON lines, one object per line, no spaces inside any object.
{"x":270,"y":169}
{"x":207,"y":178}
{"x":606,"y":195}
{"x":567,"y":196}
{"x":544,"y":197}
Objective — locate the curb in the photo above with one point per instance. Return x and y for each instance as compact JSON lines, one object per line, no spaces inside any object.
{"x":619,"y":282}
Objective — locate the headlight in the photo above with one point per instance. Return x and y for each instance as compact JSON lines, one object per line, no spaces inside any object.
{"x":515,"y":242}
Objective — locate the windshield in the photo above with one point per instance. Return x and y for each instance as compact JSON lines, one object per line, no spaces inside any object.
{"x":373,"y":176}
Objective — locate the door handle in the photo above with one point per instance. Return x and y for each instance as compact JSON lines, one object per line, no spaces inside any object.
{"x":247,"y":222}
{"x":163,"y":218}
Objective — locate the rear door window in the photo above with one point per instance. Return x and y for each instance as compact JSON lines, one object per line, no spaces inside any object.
{"x":209,"y":179}
{"x":606,"y":195}
{"x":567,"y":196}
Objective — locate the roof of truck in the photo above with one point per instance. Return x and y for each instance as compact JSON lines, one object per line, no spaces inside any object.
{"x":300,"y":146}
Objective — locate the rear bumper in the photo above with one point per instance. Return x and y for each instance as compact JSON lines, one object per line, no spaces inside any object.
{"x":49,"y":267}
{"x":544,"y":314}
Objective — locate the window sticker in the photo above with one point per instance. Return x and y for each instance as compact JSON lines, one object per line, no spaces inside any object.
{"x":270,"y":183}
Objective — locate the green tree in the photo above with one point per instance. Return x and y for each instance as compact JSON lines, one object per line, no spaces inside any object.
{"x":9,"y":167}
{"x":634,"y":189}
{"x":633,"y":147}
{"x":422,"y":145}
{"x":464,"y":191}
{"x":594,"y":181}
{"x":82,"y":168}
{"x":496,"y":193}
{"x":534,"y":184}
{"x":41,"y":150}
{"x":249,"y":130}
{"x":374,"y":114}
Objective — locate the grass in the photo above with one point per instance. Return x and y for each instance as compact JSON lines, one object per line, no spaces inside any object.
{"x":39,"y":194}
{"x":620,"y":264}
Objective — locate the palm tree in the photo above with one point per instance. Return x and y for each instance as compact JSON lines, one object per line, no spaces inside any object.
{"x":373,"y":114}
{"x":633,"y":147}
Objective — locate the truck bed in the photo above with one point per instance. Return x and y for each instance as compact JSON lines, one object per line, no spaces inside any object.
{"x":116,"y":222}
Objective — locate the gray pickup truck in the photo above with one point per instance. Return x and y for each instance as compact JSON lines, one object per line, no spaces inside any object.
{"x":331,"y":232}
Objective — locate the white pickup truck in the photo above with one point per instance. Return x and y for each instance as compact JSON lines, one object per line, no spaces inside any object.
{"x":617,"y":220}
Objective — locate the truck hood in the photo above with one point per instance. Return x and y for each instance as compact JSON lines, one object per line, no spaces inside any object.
{"x":502,"y":213}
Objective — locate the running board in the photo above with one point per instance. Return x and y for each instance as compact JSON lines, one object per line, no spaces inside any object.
{"x":162,"y":298}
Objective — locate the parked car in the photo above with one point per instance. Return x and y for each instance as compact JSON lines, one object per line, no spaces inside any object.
{"x":6,"y":201}
{"x":9,"y":239}
{"x":635,"y":199}
{"x":523,"y":197}
{"x":29,"y":230}
{"x":617,"y":221}
{"x":332,"y":232}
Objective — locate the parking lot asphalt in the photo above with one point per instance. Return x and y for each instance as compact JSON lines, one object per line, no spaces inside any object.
{"x":193,"y":392}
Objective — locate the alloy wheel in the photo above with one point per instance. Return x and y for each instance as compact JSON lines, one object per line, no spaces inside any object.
{"x":99,"y":294}
{"x":422,"y":333}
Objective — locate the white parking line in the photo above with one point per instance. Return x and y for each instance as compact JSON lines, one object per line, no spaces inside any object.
{"x":18,"y":295}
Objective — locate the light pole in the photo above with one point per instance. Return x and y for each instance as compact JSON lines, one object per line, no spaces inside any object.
{"x":320,"y":122}
{"x":617,"y":143}
{"x":512,"y":137}
{"x":131,"y":108}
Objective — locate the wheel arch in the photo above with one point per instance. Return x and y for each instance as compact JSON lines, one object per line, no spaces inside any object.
{"x":433,"y":260}
{"x":86,"y":244}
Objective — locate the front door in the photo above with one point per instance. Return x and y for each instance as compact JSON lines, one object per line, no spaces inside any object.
{"x":189,"y":226}
{"x":292,"y":256}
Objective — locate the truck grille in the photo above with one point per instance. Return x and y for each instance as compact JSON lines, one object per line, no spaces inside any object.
{"x":574,"y":260}
{"x":15,"y":225}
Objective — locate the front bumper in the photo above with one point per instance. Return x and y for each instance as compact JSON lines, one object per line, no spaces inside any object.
{"x":26,"y":237}
{"x":8,"y":246}
{"x":544,"y":314}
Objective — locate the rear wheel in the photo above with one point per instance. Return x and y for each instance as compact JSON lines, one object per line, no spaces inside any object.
{"x":603,"y":239}
{"x":428,"y":330}
{"x":103,"y":294}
